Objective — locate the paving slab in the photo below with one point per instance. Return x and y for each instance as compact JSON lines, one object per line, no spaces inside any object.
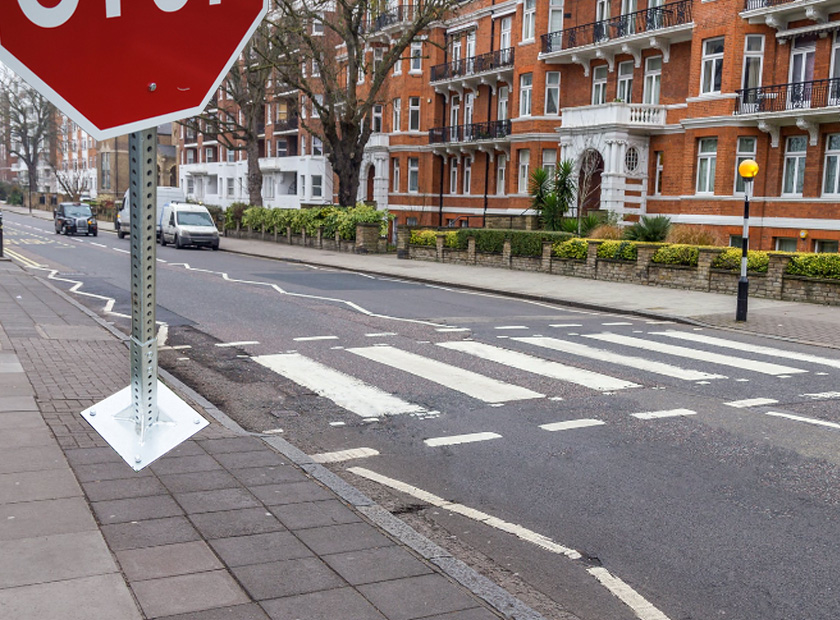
{"x":260,"y":548}
{"x":142,"y":486}
{"x":323,"y":606}
{"x":199,"y":481}
{"x":307,"y":515}
{"x":30,"y":459}
{"x":343,"y":538}
{"x":188,"y":593}
{"x":167,"y":561}
{"x":21,"y":420}
{"x":74,"y":599}
{"x":218,"y":500}
{"x":240,"y":612}
{"x":287,"y":578}
{"x":149,"y":533}
{"x":17,"y":403}
{"x":35,"y":485}
{"x":236,"y":523}
{"x":372,"y":565}
{"x":44,"y":518}
{"x":54,"y":558}
{"x":417,"y":597}
{"x":291,"y":493}
{"x":260,"y":476}
{"x":136,"y":509}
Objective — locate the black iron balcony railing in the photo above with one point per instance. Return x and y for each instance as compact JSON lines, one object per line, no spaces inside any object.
{"x":286,"y":124}
{"x":648,"y":20}
{"x":472,"y":132}
{"x":393,"y":16}
{"x":783,"y":97}
{"x":751,"y":5}
{"x":500,"y":59}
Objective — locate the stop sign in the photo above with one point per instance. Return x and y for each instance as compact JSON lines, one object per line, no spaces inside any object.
{"x":117,"y":66}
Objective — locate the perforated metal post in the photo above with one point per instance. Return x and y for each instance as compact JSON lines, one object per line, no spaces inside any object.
{"x":142,"y":148}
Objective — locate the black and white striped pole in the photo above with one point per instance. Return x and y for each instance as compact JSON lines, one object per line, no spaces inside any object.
{"x":748,"y":169}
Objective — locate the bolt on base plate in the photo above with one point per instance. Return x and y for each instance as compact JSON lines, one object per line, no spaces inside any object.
{"x":113,"y":419}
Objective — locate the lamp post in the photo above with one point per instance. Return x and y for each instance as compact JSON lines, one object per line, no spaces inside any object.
{"x":748,"y":169}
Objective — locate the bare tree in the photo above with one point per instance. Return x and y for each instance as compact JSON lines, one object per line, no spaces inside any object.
{"x":337,"y":54}
{"x":237,"y":117}
{"x":590,"y":166}
{"x":73,"y":183}
{"x":30,"y":121}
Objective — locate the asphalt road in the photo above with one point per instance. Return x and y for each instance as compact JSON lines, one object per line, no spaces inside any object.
{"x":695,"y":473}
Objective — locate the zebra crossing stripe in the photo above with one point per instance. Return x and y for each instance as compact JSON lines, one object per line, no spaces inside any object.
{"x":464,"y":381}
{"x":656,"y":415}
{"x":345,"y":391}
{"x":799,"y":418}
{"x":455,"y":440}
{"x":751,"y":348}
{"x":752,"y":402}
{"x":344,"y":455}
{"x":602,"y":355}
{"x":569,"y":425}
{"x":696,"y":354}
{"x":536,"y":365}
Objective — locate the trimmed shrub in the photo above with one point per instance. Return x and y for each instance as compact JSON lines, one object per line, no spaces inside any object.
{"x":490,"y":241}
{"x":361,"y":214}
{"x":423,"y":237}
{"x":450,"y":239}
{"x":815,"y":266}
{"x":572,"y":249}
{"x":233,"y":215}
{"x":730,"y":260}
{"x":618,"y":250}
{"x":677,"y":254}
{"x":529,"y":243}
{"x":254,"y":218}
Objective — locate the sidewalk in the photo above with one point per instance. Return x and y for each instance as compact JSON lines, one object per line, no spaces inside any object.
{"x":227,"y":525}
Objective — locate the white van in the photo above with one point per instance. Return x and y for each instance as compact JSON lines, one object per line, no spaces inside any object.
{"x":187,"y":224}
{"x":165,"y":195}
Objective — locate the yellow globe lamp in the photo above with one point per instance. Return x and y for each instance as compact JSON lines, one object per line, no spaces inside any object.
{"x":748,"y":169}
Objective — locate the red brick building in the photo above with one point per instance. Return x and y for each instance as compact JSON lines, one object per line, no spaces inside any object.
{"x":671,"y":95}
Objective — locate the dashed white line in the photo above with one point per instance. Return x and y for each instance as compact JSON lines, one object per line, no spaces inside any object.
{"x":454,"y":440}
{"x":643,"y":608}
{"x":572,"y":424}
{"x":242,"y":343}
{"x":669,"y":413}
{"x":380,"y":334}
{"x":799,"y":418}
{"x":314,"y":338}
{"x":616,"y":323}
{"x":511,"y":327}
{"x":752,"y":402}
{"x":823,"y":395}
{"x":121,"y":250}
{"x":452,"y":330}
{"x":344,"y":455}
{"x":99,"y":245}
{"x":566,"y":325}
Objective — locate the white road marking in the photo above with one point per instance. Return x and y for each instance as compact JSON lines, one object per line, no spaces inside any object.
{"x":380,"y":334}
{"x":603,"y":355}
{"x":823,"y":395}
{"x":571,"y":425}
{"x":640,"y":606}
{"x":751,"y":348}
{"x":273,"y":431}
{"x":695,"y":354}
{"x":455,"y":440}
{"x":511,"y":327}
{"x":314,"y":338}
{"x":799,"y":418}
{"x":121,"y":250}
{"x":464,"y":381}
{"x":752,"y":402}
{"x":99,"y":245}
{"x":236,"y":344}
{"x":539,"y":366}
{"x":451,"y":330}
{"x":643,"y":608}
{"x":566,"y":325}
{"x":344,"y":455}
{"x":345,"y":391}
{"x":656,"y":415}
{"x":660,"y":322}
{"x":616,"y":323}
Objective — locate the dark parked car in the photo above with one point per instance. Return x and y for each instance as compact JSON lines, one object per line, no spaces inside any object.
{"x":72,"y":218}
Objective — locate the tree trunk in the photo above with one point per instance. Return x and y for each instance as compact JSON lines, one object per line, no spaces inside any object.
{"x":347,"y":167}
{"x":255,"y":177}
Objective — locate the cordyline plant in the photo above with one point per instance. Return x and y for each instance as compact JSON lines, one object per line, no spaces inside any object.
{"x":337,"y":54}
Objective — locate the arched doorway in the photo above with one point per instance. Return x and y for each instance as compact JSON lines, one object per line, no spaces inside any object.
{"x":589,"y":180}
{"x":370,"y":177}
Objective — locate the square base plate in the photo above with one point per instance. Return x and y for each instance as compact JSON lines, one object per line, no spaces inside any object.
{"x":113,"y":419}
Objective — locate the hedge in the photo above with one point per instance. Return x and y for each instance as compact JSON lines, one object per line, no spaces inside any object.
{"x":573,"y":248}
{"x":815,"y":266}
{"x":730,"y":260}
{"x":677,"y":254}
{"x":492,"y":241}
{"x":331,"y":219}
{"x":618,"y":250}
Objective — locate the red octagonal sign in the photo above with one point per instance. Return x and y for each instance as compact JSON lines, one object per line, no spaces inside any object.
{"x":117,"y":66}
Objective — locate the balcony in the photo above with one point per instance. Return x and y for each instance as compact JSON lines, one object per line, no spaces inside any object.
{"x":778,"y":13}
{"x":657,"y":27}
{"x":288,"y":124}
{"x":469,"y":73}
{"x":472,"y":132}
{"x":626,"y":115}
{"x":392,"y":18}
